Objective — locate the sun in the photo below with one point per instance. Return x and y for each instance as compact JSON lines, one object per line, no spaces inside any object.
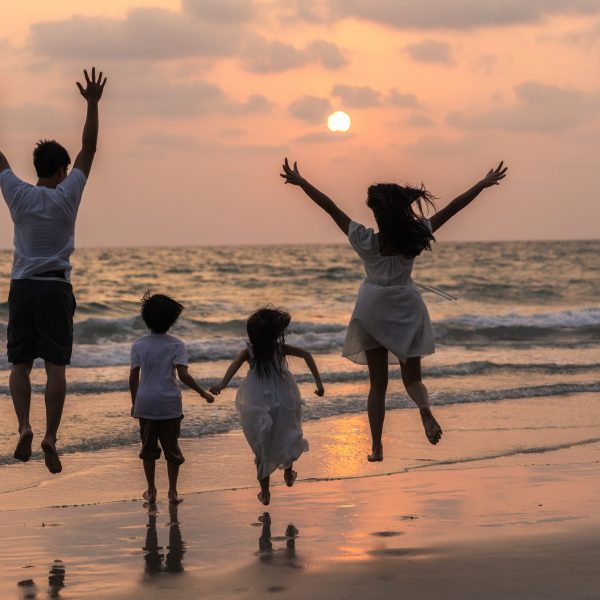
{"x":339,"y":121}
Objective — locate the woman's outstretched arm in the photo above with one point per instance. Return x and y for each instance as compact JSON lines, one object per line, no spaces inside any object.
{"x":233,"y":368}
{"x":310,"y":362}
{"x":342,"y":220}
{"x":492,"y":178}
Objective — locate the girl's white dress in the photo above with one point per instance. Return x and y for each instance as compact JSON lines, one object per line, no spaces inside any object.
{"x":271,"y":415}
{"x":389,"y":310}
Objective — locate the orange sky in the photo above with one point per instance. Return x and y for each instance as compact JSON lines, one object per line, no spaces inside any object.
{"x":205,"y":97}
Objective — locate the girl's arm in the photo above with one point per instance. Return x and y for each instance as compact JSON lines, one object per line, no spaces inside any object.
{"x":185,"y":377}
{"x":310,"y":361}
{"x":492,"y":178}
{"x":134,"y":384}
{"x":342,"y":220}
{"x":233,"y":368}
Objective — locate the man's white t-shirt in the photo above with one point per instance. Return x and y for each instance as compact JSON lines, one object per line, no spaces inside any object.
{"x":158,"y":395}
{"x":44,"y":222}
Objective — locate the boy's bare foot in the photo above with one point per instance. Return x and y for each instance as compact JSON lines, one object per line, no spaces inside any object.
{"x":376,"y":455}
{"x":23,"y":448}
{"x":433,"y":431}
{"x":51,"y":458}
{"x":174,"y":498}
{"x":264,"y":497}
{"x":150,"y":495}
{"x":289,"y":476}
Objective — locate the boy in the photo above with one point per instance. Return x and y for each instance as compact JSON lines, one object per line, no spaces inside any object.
{"x":156,"y":399}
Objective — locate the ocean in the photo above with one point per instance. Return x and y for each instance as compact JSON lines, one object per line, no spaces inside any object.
{"x":526,"y":324}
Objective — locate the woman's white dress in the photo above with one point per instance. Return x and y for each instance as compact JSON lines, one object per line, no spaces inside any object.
{"x":389,"y":311}
{"x":271,"y":415}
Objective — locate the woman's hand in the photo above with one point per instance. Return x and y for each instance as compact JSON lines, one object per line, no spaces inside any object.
{"x":291,"y":175}
{"x":494,"y":176}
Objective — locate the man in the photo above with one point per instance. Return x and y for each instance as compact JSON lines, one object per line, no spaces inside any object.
{"x":41,"y":302}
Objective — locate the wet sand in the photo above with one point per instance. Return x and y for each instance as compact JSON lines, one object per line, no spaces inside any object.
{"x":510,"y":529}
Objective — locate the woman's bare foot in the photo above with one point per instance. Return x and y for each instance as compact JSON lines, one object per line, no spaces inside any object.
{"x":174,"y":498}
{"x":289,"y":476}
{"x":23,"y":448}
{"x":51,"y":457}
{"x":433,"y":431}
{"x":376,"y":455}
{"x":150,"y":495}
{"x":264,"y":497}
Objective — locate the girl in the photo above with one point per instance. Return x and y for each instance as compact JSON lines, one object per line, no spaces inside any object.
{"x":390,"y":314}
{"x":269,"y":399}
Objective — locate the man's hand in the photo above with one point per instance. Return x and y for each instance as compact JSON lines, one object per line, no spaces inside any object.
{"x":94,"y":87}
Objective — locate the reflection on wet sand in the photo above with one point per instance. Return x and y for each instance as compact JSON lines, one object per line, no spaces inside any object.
{"x":56,"y":582}
{"x":153,"y":557}
{"x":285,"y":556}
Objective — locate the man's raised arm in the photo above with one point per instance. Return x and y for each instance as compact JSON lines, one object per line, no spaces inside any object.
{"x":92,"y":94}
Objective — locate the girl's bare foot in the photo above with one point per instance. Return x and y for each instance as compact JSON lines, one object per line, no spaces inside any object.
{"x":264,"y":497}
{"x":433,"y":431}
{"x":23,"y":449}
{"x":376,"y":455}
{"x":289,"y":476}
{"x":51,"y":458}
{"x":174,"y":498}
{"x":150,"y":495}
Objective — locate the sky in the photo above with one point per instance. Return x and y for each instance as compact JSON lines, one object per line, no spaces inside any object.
{"x":206,"y":97}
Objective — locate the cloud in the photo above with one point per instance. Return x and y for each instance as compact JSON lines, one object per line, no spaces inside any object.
{"x":140,"y":97}
{"x":458,"y":14}
{"x":430,"y":51}
{"x":43,"y":119}
{"x":322,"y":137}
{"x":263,"y":56}
{"x":144,"y":34}
{"x":356,"y":96}
{"x":539,"y":108}
{"x":395,"y":98}
{"x":419,"y":120}
{"x":221,"y":11}
{"x":310,"y":109}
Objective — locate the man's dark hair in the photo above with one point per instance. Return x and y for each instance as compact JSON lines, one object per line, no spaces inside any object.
{"x":160,"y":312}
{"x":48,"y":157}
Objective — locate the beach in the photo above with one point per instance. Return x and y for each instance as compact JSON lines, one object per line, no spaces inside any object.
{"x":504,"y":507}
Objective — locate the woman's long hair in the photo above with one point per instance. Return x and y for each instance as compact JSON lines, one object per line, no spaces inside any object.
{"x":266,"y":332}
{"x":401,"y":227}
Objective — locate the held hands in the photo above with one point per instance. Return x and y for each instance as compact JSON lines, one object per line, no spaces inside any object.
{"x":494,"y":176}
{"x":94,"y":87}
{"x":208,"y":397}
{"x":216,"y":389}
{"x":291,"y":175}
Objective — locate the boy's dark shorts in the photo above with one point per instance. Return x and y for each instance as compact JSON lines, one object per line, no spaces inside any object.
{"x":167,"y":431}
{"x":40,"y":321}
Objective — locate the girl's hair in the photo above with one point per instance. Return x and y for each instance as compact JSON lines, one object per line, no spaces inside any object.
{"x":266,"y":332}
{"x":400,"y":225}
{"x":160,"y":312}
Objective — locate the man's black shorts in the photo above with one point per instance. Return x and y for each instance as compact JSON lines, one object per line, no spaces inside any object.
{"x":40,"y":321}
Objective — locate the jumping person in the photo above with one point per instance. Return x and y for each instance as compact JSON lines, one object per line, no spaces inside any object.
{"x":41,"y":304}
{"x":390,"y":315}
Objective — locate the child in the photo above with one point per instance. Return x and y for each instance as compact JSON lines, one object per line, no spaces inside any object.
{"x":390,"y":314}
{"x":156,"y":400}
{"x":269,"y":399}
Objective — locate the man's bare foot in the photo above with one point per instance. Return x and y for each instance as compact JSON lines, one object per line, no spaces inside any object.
{"x":376,"y":455}
{"x":23,"y":449}
{"x":289,"y":476}
{"x":51,"y":458}
{"x":264,"y":497}
{"x":150,"y":495}
{"x":433,"y":431}
{"x":174,"y":498}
